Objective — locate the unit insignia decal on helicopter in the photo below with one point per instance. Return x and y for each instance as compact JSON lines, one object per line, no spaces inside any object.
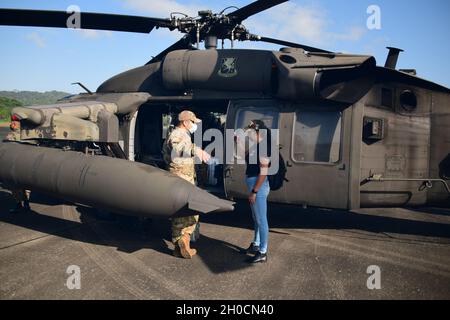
{"x":228,"y":68}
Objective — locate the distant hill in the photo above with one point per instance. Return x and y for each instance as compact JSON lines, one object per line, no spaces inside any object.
{"x":6,"y":104}
{"x":30,"y":98}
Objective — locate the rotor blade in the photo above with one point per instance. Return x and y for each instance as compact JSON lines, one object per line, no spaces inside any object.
{"x":183,"y":43}
{"x":253,"y":8}
{"x":291,"y":44}
{"x":85,"y":20}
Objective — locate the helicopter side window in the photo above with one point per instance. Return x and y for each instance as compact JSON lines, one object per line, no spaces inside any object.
{"x":268,"y":115}
{"x":317,"y":136}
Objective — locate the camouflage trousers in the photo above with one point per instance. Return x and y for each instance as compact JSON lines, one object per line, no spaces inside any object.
{"x":183,"y":225}
{"x":21,"y":195}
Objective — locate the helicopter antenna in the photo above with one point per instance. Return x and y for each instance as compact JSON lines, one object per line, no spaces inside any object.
{"x":83,"y":86}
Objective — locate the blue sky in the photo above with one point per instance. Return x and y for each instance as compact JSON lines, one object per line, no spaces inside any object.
{"x":50,"y":59}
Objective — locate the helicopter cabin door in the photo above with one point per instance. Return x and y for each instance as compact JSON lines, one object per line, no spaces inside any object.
{"x":239,"y":115}
{"x":314,"y":148}
{"x":319,"y":157}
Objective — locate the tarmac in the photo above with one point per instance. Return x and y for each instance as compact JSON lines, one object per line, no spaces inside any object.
{"x":313,"y":254}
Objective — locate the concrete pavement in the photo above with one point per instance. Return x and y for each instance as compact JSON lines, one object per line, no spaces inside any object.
{"x":314,"y":254}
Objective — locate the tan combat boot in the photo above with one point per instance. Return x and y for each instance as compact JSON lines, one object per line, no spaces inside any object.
{"x":185,"y":247}
{"x":176,"y":251}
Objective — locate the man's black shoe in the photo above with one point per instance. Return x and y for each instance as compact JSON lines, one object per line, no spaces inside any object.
{"x":26,"y":206}
{"x":259,"y":258}
{"x":17,"y":209}
{"x":253,"y":249}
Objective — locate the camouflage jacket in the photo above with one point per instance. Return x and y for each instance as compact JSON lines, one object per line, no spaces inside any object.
{"x":179,"y":152}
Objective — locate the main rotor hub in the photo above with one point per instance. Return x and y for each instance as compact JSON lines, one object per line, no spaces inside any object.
{"x":209,"y":26}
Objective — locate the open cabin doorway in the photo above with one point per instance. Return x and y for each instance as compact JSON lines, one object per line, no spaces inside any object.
{"x":155,"y":120}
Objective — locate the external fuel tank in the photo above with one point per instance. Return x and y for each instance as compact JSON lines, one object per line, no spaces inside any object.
{"x":108,"y":183}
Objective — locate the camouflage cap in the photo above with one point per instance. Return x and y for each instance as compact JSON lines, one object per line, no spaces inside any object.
{"x":188,"y":115}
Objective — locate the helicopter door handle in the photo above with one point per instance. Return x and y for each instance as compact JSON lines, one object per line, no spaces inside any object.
{"x":288,"y":164}
{"x":343,"y":167}
{"x":228,"y":172}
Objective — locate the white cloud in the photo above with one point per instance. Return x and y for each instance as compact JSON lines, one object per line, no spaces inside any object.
{"x":301,"y":23}
{"x":354,"y":34}
{"x":376,"y":45}
{"x":163,"y":8}
{"x":289,"y":21}
{"x":93,"y":34}
{"x":37,"y":39}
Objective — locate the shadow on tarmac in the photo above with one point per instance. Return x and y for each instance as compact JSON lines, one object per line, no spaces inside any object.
{"x":127,"y":234}
{"x":130,"y":234}
{"x":287,"y":217}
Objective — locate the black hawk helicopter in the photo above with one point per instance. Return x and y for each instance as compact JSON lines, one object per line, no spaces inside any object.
{"x":351,"y":134}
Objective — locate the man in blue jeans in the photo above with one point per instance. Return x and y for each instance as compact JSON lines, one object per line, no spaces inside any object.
{"x":258,"y":162}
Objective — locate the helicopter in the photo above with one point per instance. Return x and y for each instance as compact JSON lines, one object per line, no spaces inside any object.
{"x":351,"y":134}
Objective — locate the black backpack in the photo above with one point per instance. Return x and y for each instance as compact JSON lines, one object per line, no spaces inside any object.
{"x":276,"y":181}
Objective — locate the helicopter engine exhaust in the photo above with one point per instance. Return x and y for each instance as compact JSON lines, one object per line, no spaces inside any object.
{"x":112,"y":184}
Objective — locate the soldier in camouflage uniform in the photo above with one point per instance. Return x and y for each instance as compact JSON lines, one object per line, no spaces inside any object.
{"x":21,"y":196}
{"x":179,"y":153}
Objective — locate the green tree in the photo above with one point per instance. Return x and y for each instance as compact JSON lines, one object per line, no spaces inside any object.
{"x":29,"y":98}
{"x":6,"y":105}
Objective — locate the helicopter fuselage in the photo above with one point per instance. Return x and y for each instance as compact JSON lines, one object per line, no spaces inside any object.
{"x":351,"y":134}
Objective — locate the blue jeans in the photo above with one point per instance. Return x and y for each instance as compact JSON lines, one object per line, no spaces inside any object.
{"x":259,"y":213}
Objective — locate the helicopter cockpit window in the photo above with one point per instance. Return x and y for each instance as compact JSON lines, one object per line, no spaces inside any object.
{"x":317,"y":136}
